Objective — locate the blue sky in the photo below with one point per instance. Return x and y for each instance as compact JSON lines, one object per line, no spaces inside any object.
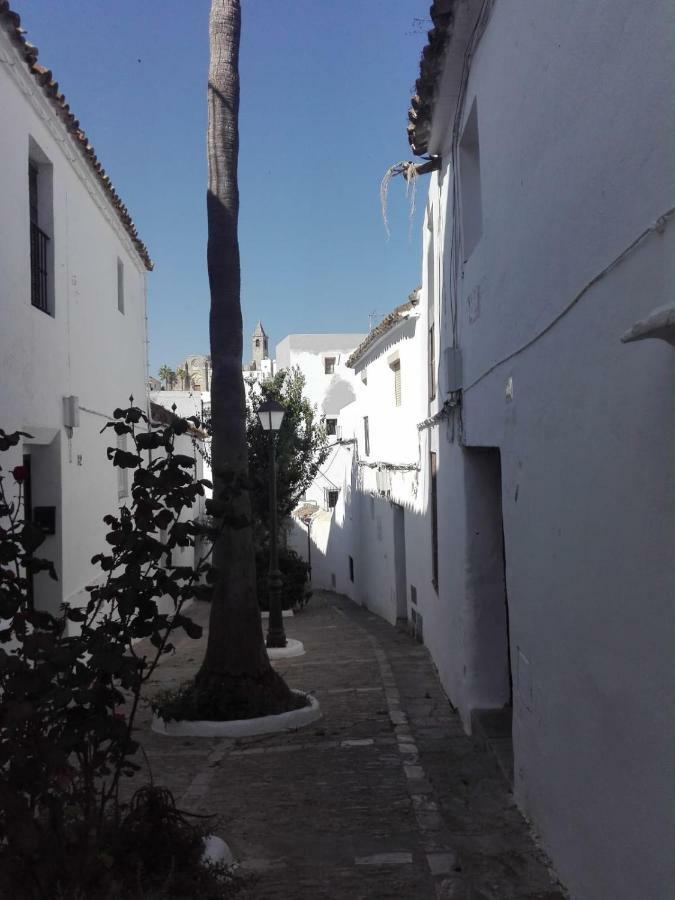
{"x":325,"y":88}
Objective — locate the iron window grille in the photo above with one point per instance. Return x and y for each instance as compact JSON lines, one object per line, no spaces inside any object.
{"x":39,"y":247}
{"x":38,"y":268}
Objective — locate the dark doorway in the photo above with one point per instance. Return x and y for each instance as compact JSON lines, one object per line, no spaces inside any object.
{"x":490,"y":655}
{"x":399,"y":564}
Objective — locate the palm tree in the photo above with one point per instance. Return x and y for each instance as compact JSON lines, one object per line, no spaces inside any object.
{"x":236,"y":679}
{"x":167,"y":375}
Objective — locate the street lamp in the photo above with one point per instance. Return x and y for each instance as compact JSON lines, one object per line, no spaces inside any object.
{"x":307,"y":520}
{"x":271,"y":414}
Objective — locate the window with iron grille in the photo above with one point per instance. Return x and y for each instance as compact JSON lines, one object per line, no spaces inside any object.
{"x":41,"y":224}
{"x":329,"y":365}
{"x":331,"y":426}
{"x":396,"y":369}
{"x":39,"y":243}
{"x":366,"y":436}
{"x":331,"y":499}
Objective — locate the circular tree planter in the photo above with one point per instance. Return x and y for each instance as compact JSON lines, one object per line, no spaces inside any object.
{"x":292,"y":648}
{"x":216,"y":851}
{"x":287,"y":721}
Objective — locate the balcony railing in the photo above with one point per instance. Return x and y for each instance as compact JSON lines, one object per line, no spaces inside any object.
{"x":38,"y":268}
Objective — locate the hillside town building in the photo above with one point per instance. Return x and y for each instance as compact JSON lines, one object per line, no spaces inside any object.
{"x":510,"y":491}
{"x":73,"y":336}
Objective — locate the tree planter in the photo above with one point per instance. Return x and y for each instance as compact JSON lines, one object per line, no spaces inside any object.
{"x":292,"y":648}
{"x":287,"y":721}
{"x":216,"y":851}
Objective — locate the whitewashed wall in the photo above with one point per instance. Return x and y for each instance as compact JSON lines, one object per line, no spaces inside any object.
{"x":330,"y":393}
{"x":362,"y":524}
{"x":88,"y":348}
{"x":574,"y":105}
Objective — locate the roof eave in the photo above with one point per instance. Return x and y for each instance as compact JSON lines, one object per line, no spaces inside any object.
{"x":11,"y":22}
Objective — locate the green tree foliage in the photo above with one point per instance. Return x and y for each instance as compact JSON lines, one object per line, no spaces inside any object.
{"x":301,"y":448}
{"x":71,"y":682}
{"x":168,"y":376}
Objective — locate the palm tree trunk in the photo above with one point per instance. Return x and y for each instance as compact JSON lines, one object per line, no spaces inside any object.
{"x":236,"y":678}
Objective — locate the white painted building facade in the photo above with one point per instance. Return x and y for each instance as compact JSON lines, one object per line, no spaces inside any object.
{"x":548,"y":234}
{"x":73,"y":307}
{"x":374,"y":543}
{"x":330,"y":387}
{"x":539,"y":564}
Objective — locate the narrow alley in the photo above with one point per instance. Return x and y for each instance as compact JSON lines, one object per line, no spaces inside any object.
{"x":384,"y":797}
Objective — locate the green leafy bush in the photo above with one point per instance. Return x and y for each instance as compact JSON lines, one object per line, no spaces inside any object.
{"x":71,"y":682}
{"x":294,"y":571}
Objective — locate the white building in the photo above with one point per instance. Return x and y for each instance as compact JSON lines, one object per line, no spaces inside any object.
{"x":548,"y":235}
{"x":330,"y":386}
{"x":322,"y":359}
{"x":72,"y":300}
{"x":374,"y":544}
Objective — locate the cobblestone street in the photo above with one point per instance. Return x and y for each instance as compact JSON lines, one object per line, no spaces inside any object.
{"x":384,"y":797}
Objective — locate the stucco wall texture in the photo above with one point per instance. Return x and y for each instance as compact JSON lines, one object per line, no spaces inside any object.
{"x":574,"y":105}
{"x":556,"y":489}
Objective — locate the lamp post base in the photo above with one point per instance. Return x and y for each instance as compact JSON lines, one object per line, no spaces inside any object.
{"x":276,"y":636}
{"x":276,"y":639}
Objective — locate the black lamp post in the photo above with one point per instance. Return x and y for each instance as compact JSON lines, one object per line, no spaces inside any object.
{"x":271,"y":414}
{"x":308,"y":522}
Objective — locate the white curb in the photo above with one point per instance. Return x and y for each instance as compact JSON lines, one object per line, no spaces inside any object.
{"x":287,"y":721}
{"x":216,"y":851}
{"x":292,"y":648}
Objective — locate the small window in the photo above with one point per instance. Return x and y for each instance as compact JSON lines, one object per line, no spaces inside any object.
{"x":432,"y":364}
{"x":351,"y":569}
{"x":331,"y":499}
{"x":120,"y":286}
{"x":257,"y":342}
{"x":470,"y":187}
{"x":413,"y":595}
{"x":329,"y":365}
{"x":122,"y":474}
{"x":331,"y":426}
{"x":396,"y":369}
{"x":366,"y":436}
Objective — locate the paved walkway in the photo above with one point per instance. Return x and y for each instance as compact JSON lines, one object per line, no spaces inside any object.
{"x":384,"y":797}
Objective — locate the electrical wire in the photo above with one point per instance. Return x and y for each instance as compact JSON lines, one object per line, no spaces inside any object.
{"x":658,"y":226}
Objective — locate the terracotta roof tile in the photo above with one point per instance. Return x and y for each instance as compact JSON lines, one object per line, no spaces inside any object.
{"x":394,"y":317}
{"x":11,"y":22}
{"x":431,"y":62}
